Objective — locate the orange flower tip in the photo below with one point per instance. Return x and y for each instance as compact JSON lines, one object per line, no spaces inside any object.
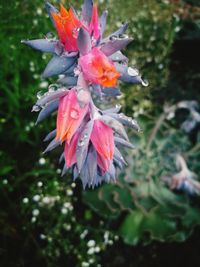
{"x":63,"y":11}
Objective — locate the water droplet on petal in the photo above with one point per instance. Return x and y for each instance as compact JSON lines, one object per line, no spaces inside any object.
{"x":74,"y":114}
{"x":113,"y":37}
{"x":81,"y":143}
{"x":75,"y":32}
{"x":35,"y":108}
{"x":123,"y":36}
{"x":133,"y":72}
{"x":52,"y":88}
{"x":118,"y":106}
{"x":50,"y":35}
{"x":39,"y":94}
{"x":145,"y":83}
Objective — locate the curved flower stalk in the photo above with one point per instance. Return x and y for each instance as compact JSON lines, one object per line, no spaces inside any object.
{"x":184,"y":180}
{"x":88,"y":63}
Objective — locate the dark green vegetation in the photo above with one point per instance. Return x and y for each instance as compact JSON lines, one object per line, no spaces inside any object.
{"x":46,"y":220}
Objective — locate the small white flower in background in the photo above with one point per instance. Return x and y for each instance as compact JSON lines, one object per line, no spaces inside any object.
{"x":85,"y":264}
{"x":68,"y":227}
{"x":39,"y":11}
{"x":116,"y":237}
{"x":97,"y":249}
{"x":42,"y":161}
{"x":25,"y":200}
{"x":35,"y":22}
{"x":33,"y":219}
{"x":50,"y":239}
{"x":42,"y":236}
{"x":83,"y":235}
{"x":106,"y":236}
{"x":27,"y":128}
{"x":58,"y":171}
{"x":69,"y":192}
{"x":35,"y":212}
{"x":64,"y":211}
{"x":73,"y":185}
{"x":40,"y":184}
{"x":91,"y":243}
{"x":31,"y":124}
{"x":110,"y":242}
{"x":36,"y":198}
{"x":67,"y":205}
{"x":44,"y":56}
{"x":91,"y":251}
{"x":5,"y":181}
{"x":43,"y":84}
{"x":46,"y":200}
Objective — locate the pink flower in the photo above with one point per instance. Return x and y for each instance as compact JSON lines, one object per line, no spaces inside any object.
{"x":103,"y":163}
{"x":103,"y":140}
{"x":67,"y":25}
{"x":94,"y":25}
{"x":70,"y":150}
{"x":98,"y":69}
{"x":70,"y":116}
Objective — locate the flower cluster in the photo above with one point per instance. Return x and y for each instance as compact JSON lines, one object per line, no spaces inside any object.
{"x":88,"y":64}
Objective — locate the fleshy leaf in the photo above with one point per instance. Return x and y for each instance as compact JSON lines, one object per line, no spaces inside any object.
{"x":47,"y":110}
{"x":83,"y":143}
{"x":58,"y":65}
{"x":54,"y":143}
{"x":84,"y":42}
{"x":87,"y":10}
{"x":127,"y":121}
{"x":51,"y":96}
{"x":115,"y":125}
{"x":69,"y":81}
{"x":121,"y":141}
{"x":128,"y":75}
{"x":43,"y":45}
{"x":50,"y":8}
{"x":103,"y":20}
{"x":114,"y":45}
{"x":50,"y":136}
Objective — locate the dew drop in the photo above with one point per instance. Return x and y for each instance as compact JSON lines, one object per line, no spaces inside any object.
{"x":113,"y":37}
{"x":75,"y":32}
{"x":50,"y":35}
{"x":35,"y":108}
{"x":133,"y":72}
{"x":145,"y":83}
{"x":52,"y":88}
{"x":123,"y":36}
{"x":118,"y":106}
{"x":74,"y":114}
{"x":39,"y":94}
{"x":81,"y":143}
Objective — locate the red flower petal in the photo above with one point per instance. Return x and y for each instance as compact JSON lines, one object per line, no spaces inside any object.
{"x":70,"y":116}
{"x":103,"y":139}
{"x":70,"y":150}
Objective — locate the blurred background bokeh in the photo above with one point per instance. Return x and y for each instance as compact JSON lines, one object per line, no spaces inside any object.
{"x":151,"y":216}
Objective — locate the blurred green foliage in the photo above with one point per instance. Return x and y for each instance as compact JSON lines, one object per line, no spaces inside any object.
{"x":46,"y":220}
